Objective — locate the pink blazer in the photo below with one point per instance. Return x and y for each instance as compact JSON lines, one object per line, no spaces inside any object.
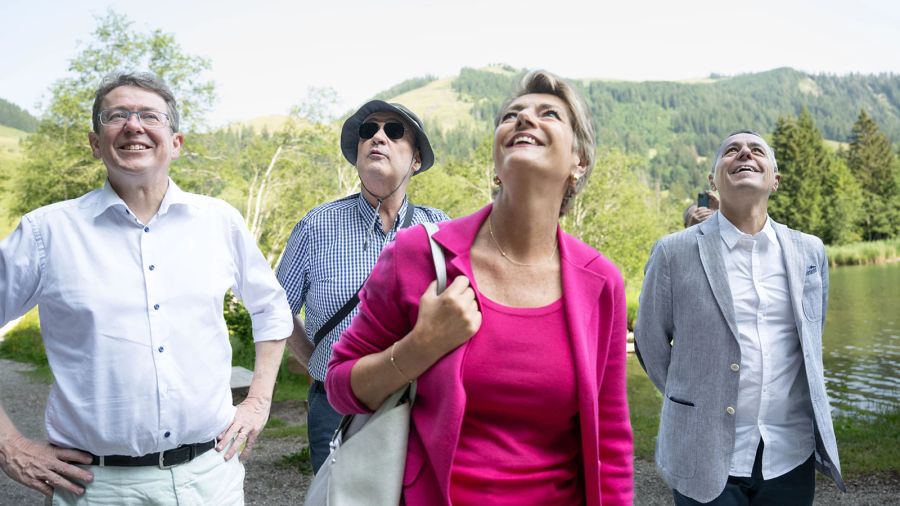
{"x":594,"y":299}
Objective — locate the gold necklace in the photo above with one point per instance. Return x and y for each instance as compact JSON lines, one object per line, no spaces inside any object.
{"x":508,"y":258}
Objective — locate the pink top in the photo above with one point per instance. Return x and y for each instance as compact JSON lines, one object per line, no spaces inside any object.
{"x":519,"y":439}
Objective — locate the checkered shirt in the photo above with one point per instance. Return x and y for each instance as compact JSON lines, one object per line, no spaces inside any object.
{"x":325,"y":263}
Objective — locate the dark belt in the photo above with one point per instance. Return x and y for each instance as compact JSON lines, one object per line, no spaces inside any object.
{"x":165,"y":460}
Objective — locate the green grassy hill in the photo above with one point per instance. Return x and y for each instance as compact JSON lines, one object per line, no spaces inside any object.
{"x":676,"y":125}
{"x":10,"y":148}
{"x":269,"y":124}
{"x":439,"y":104}
{"x":12,"y":115}
{"x":639,"y":116}
{"x":10,"y":156}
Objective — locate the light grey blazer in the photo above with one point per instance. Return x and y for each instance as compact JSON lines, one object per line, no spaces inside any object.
{"x":686,"y":339}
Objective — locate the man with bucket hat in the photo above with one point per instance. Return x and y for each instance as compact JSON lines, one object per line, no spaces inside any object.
{"x":333,"y":249}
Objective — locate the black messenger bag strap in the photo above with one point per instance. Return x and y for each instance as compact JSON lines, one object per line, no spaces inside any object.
{"x":351,"y":303}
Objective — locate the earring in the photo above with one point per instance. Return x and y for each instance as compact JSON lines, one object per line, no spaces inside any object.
{"x":497,"y":181}
{"x":573,"y":180}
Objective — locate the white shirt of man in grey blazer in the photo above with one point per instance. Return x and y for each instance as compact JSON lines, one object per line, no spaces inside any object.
{"x":729,"y":329}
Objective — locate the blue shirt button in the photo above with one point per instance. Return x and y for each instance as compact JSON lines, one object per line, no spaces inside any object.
{"x":152,"y":267}
{"x":155,"y":306}
{"x":167,"y":434}
{"x":161,"y":348}
{"x":146,"y":229}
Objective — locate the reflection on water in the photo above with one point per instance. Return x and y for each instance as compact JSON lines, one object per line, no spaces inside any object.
{"x":861,"y":348}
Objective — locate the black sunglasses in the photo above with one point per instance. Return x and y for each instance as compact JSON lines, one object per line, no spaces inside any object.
{"x":393,"y":129}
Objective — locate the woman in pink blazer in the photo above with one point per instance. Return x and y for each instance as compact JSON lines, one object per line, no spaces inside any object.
{"x":520,"y":362}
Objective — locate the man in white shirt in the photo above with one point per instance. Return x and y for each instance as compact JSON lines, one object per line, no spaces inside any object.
{"x":730,"y":330}
{"x":130,"y":281}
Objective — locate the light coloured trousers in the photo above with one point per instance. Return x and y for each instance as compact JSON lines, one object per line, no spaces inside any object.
{"x":206,"y":480}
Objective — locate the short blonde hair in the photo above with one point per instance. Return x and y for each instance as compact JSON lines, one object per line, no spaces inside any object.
{"x":541,"y":81}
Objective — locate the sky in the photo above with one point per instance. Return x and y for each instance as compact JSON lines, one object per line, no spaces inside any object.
{"x":266,"y":54}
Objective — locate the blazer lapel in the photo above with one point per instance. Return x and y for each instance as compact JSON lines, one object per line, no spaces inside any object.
{"x":794,"y":265}
{"x":582,"y":288}
{"x":709,"y":243}
{"x":456,"y":238}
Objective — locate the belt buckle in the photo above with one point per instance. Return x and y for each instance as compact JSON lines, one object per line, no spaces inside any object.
{"x":162,"y":462}
{"x":172,"y":454}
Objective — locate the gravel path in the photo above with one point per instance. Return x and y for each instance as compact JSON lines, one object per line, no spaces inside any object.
{"x":270,"y":482}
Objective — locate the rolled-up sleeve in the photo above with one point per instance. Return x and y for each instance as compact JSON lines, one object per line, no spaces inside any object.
{"x":21,"y":259}
{"x":294,"y":267}
{"x":256,"y":286}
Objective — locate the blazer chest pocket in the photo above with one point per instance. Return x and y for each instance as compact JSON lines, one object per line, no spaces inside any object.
{"x":812,"y":297}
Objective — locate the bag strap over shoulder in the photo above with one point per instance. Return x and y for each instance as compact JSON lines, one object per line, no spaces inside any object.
{"x":351,"y":303}
{"x":437,"y":255}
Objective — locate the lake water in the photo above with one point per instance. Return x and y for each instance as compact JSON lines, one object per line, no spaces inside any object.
{"x":861,"y":348}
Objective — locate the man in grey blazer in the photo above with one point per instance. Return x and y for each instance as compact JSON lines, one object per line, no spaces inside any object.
{"x":730,"y":331}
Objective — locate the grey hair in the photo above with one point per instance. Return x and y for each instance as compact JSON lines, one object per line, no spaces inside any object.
{"x":770,"y":153}
{"x":145,"y":80}
{"x":541,"y":81}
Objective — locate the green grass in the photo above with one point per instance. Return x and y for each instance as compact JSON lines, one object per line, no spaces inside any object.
{"x":10,"y":157}
{"x":860,"y":253}
{"x":290,"y":386}
{"x":644,"y":403}
{"x":869,"y":445}
{"x":278,"y":428}
{"x":438,"y":102}
{"x":271,"y":124}
{"x":297,"y":460}
{"x":10,"y":147}
{"x":284,"y":431}
{"x":23,"y":343}
{"x":632,"y":295}
{"x":836,"y":146}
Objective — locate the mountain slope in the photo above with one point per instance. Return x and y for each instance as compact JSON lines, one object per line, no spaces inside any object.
{"x":640,"y":116}
{"x":12,"y":115}
{"x":10,"y":149}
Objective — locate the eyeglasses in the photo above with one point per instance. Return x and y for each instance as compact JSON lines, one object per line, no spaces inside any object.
{"x":118,"y":117}
{"x":393,"y":129}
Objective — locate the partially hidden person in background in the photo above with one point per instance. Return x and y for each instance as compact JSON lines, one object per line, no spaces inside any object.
{"x":707,"y":204}
{"x":520,"y":362}
{"x":130,"y":281}
{"x":729,"y":329}
{"x":333,"y":248}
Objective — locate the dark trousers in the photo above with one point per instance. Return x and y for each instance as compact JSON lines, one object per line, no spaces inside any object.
{"x":321,"y":422}
{"x":795,"y":488}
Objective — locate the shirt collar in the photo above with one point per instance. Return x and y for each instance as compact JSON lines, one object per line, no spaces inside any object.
{"x":109,"y":198}
{"x":367,"y":212}
{"x":175,"y":196}
{"x":731,"y":234}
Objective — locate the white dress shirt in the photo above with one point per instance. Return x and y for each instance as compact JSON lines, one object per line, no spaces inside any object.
{"x":773,"y":395}
{"x":132,"y":317}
